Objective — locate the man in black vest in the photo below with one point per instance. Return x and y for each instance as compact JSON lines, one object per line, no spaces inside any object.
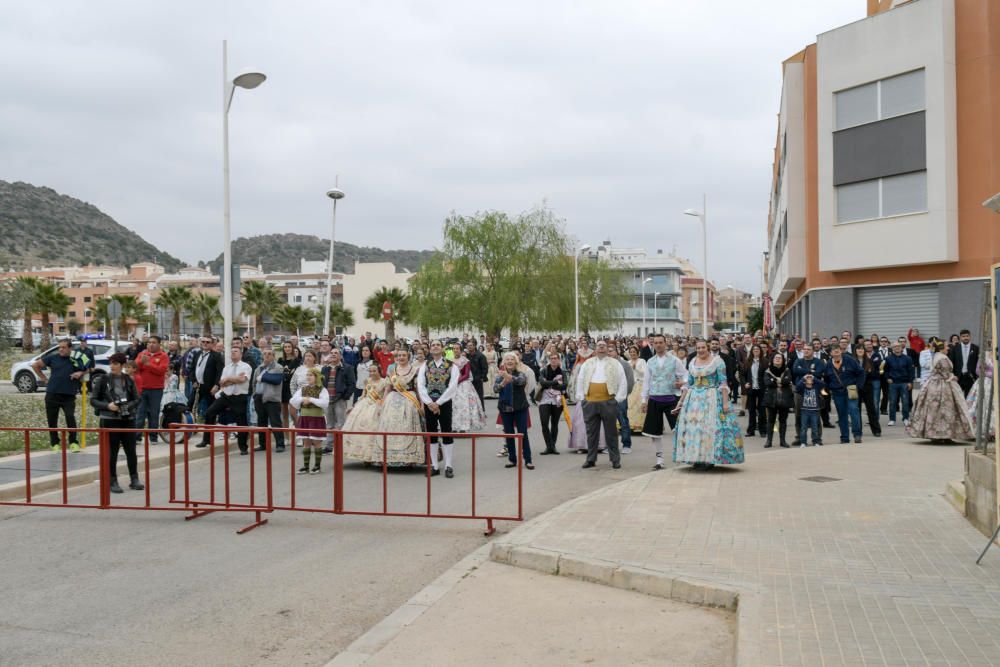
{"x":479,"y":369}
{"x":965,"y":359}
{"x":437,"y":382}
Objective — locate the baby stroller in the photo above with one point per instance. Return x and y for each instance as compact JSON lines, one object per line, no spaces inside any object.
{"x":174,"y":409}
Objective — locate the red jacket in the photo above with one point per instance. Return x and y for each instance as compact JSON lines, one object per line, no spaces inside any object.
{"x":153,"y":368}
{"x":916,"y":342}
{"x":384,"y":359}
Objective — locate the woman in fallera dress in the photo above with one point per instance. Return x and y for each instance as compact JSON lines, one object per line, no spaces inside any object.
{"x":972,"y":400}
{"x":491,"y":374}
{"x":402,"y":412}
{"x":636,"y":418}
{"x":939,"y":413}
{"x":707,"y":432}
{"x":468,"y":415}
{"x":364,"y":416}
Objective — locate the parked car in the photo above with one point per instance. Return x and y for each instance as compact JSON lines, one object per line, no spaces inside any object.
{"x":24,"y":377}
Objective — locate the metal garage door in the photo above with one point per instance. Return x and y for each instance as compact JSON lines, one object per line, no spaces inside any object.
{"x":891,"y":311}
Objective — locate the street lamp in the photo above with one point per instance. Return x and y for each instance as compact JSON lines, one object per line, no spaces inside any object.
{"x":655,"y":295}
{"x":335,"y":194}
{"x":576,"y":284}
{"x":644,"y":281}
{"x":248,"y":80}
{"x":732,"y":290}
{"x":702,"y":214}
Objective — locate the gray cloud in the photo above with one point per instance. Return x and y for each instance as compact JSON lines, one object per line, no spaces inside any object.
{"x":618,"y":114}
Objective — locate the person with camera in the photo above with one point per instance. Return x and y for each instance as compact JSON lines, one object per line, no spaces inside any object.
{"x":115,"y":399}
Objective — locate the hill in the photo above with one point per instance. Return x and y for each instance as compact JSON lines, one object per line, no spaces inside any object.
{"x":40,"y":227}
{"x":282,"y":252}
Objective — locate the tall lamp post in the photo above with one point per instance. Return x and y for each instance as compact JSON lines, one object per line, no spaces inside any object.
{"x":655,"y":295}
{"x":732,"y":290}
{"x":576,"y":284}
{"x":335,"y":194}
{"x":248,"y":80}
{"x":644,"y":281}
{"x":702,"y":214}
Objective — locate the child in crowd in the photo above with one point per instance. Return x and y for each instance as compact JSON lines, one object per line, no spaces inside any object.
{"x":310,"y":402}
{"x":809,"y":387}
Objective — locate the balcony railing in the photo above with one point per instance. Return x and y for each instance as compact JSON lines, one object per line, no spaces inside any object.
{"x":658,"y":313}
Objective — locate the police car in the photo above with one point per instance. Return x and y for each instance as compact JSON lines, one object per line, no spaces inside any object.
{"x":24,"y":377}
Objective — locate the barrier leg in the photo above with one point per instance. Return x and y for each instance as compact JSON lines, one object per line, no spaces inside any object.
{"x":489,"y":528}
{"x":258,"y":522}
{"x":338,"y":472}
{"x":27,"y":466}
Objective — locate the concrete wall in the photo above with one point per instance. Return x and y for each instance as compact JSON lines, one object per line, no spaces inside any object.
{"x":980,"y":491}
{"x":961,"y":305}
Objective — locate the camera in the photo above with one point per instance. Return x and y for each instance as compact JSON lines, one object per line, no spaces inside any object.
{"x":124,"y":410}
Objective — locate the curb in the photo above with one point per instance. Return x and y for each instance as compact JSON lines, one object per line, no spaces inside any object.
{"x":14,"y":491}
{"x":375,"y":639}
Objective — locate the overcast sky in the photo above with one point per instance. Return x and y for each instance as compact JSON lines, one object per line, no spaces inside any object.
{"x":617,"y":114}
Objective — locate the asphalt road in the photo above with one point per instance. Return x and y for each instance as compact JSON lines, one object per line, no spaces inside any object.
{"x":89,"y":587}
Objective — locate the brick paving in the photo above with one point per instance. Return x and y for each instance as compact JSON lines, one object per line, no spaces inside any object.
{"x":875,"y":568}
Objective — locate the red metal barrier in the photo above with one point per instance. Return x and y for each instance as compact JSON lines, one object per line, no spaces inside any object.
{"x":204,"y":501}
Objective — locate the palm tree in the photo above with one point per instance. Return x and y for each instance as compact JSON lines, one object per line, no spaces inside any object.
{"x":400,"y":303}
{"x":25,"y":287}
{"x":50,"y":298}
{"x":177,"y":300}
{"x":295,"y":318}
{"x":260,"y":299}
{"x":204,"y":308}
{"x":341,"y":316}
{"x":132,"y":309}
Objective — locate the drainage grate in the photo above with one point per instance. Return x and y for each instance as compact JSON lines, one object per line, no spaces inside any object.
{"x":819,"y":478}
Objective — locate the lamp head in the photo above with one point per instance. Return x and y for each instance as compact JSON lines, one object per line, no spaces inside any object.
{"x":585,"y":247}
{"x":647,"y":280}
{"x":335,"y":193}
{"x":249,"y":79}
{"x":693,"y":212}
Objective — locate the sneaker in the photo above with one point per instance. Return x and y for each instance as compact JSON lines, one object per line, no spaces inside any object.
{"x":448,"y":472}
{"x":892,"y":423}
{"x":802,"y":445}
{"x":115,"y":488}
{"x":136,"y":485}
{"x":502,"y":452}
{"x":304,"y":470}
{"x":906,"y":422}
{"x":435,"y":472}
{"x":626,"y":450}
{"x":315,"y":470}
{"x":73,"y":447}
{"x":659,"y":464}
{"x":857,"y":441}
{"x":817,"y":444}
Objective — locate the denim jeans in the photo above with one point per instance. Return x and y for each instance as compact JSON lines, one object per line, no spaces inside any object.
{"x":810,"y":420}
{"x":847,"y":408}
{"x":897,"y":391}
{"x":516,"y":421}
{"x":624,"y":427}
{"x":149,"y":409}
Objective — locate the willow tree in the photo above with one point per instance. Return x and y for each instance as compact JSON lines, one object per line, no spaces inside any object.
{"x":495,"y":272}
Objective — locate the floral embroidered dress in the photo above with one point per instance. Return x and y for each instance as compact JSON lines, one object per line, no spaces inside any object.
{"x":467,"y":414}
{"x":402,"y":411}
{"x":939,"y":413}
{"x":972,"y":400}
{"x":364,"y":416}
{"x":491,"y":373}
{"x":636,"y":417}
{"x":704,"y":433}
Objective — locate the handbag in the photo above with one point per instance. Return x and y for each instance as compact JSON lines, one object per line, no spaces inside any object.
{"x":852,"y":390}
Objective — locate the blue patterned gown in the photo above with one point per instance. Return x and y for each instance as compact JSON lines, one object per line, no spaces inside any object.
{"x":704,"y":433}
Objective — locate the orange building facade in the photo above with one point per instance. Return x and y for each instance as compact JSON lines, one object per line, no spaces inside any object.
{"x":888,"y":144}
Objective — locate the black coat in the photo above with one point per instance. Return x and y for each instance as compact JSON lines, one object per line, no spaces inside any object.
{"x":547,"y":378}
{"x":213,"y":369}
{"x":478,"y":366}
{"x":101,"y":397}
{"x":778,"y":391}
{"x":955,"y":355}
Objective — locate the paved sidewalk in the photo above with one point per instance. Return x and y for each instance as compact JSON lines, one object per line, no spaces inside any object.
{"x":872,"y":567}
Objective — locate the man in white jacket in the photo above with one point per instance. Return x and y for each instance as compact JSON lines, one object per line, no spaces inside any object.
{"x":600,"y":387}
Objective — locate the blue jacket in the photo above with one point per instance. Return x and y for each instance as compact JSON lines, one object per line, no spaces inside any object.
{"x":899,"y":369}
{"x":850,"y":373}
{"x":803,"y":367}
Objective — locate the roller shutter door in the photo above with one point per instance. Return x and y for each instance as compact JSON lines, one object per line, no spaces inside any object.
{"x":891,"y":311}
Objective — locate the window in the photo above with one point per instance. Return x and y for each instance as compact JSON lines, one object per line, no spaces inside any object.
{"x":72,"y":313}
{"x":86,"y":299}
{"x":879,"y":100}
{"x":882,"y":197}
{"x":298,"y":298}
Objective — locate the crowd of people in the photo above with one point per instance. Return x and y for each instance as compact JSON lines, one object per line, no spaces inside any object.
{"x":607,"y":391}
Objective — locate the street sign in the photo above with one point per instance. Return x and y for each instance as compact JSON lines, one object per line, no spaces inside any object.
{"x":386,"y":311}
{"x":114,"y":309}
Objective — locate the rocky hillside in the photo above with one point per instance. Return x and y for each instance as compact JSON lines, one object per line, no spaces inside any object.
{"x":40,"y":227}
{"x":282,"y":252}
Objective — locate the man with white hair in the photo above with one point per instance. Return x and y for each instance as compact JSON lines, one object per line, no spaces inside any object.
{"x":600,"y":387}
